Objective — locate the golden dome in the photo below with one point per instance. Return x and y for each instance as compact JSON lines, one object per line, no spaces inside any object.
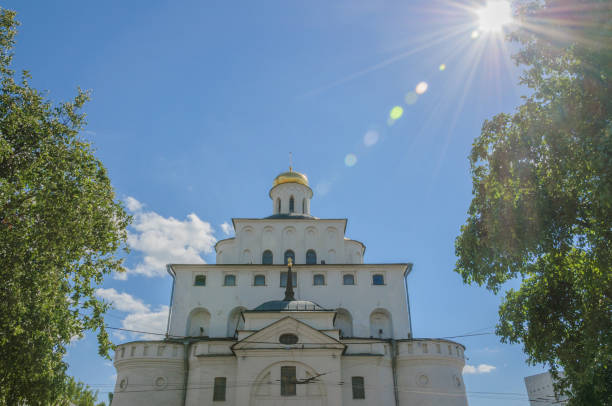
{"x":290,"y":177}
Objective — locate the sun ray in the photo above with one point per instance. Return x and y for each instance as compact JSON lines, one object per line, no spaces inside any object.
{"x":451,"y":34}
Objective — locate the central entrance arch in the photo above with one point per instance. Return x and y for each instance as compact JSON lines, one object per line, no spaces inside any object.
{"x":266,"y":389}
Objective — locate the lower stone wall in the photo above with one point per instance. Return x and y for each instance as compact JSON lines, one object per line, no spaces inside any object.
{"x":149,"y":373}
{"x":429,"y":372}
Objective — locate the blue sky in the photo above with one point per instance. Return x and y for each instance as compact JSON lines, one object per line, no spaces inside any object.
{"x":196,"y":105}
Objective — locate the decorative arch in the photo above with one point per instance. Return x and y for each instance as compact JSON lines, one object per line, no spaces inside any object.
{"x":265,"y":389}
{"x":331,"y":256}
{"x":198,"y":323}
{"x":332,"y":233}
{"x":289,"y":237}
{"x":381,"y":325}
{"x":311,"y":236}
{"x":248,"y":230}
{"x":267,"y":237}
{"x":247,"y":257}
{"x":344,"y":322}
{"x":235,"y":321}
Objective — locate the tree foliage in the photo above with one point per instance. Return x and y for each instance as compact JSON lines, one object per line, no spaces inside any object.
{"x":542,"y":186}
{"x":79,"y":394}
{"x":60,"y":229}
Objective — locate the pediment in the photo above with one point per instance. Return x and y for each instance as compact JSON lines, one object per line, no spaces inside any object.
{"x":268,"y":337}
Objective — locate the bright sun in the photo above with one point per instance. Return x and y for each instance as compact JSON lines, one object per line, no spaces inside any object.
{"x":495,"y":15}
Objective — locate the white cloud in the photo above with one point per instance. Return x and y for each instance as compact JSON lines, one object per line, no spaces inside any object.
{"x":164,"y":240}
{"x":148,"y":322}
{"x":227,"y":228}
{"x":480,"y":369}
{"x":133,"y":204}
{"x":122,"y":301}
{"x":140,"y":318}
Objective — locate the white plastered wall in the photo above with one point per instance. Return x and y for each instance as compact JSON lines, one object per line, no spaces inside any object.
{"x":360,"y":299}
{"x":254,"y":236}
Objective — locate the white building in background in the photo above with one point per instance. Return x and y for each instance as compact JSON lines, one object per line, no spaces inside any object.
{"x":541,"y":391}
{"x":339,"y":334}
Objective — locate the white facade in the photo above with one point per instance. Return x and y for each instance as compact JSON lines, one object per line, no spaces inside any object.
{"x":541,"y":391}
{"x":237,"y":337}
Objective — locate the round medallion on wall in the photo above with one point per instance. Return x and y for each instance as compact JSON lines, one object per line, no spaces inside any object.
{"x":160,"y":383}
{"x":422,"y":380}
{"x":123,"y":384}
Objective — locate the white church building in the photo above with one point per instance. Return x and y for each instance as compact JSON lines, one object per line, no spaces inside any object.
{"x":290,"y":315}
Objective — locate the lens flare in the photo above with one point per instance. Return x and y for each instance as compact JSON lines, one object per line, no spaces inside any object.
{"x":475,"y":34}
{"x":421,"y":88}
{"x":495,"y":15}
{"x":442,"y":67}
{"x":370,"y":138}
{"x":350,"y":160}
{"x":411,"y":98}
{"x":396,"y":113}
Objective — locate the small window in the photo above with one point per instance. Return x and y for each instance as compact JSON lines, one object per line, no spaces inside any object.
{"x":291,"y":204}
{"x":260,"y":280}
{"x":311,"y":257}
{"x":267,"y":258}
{"x":318,"y":280}
{"x":230,"y":280}
{"x":288,"y":339}
{"x":358,"y":387}
{"x":288,"y":381}
{"x":200,"y":280}
{"x":378,"y":279}
{"x":348,"y":279}
{"x":289,"y":254}
{"x":278,"y":205}
{"x":283,"y":279}
{"x":219,"y":390}
{"x":304,"y":206}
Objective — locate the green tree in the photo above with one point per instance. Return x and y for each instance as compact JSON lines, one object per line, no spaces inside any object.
{"x":79,"y":394}
{"x":60,"y":230}
{"x":542,"y":187}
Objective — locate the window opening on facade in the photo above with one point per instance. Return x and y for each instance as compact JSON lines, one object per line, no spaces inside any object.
{"x":348,"y":279}
{"x":358,"y":387}
{"x":288,"y":380}
{"x":311,"y":257}
{"x":318,"y":280}
{"x":304,"y":206}
{"x":229,"y":280}
{"x":291,"y":204}
{"x":289,"y":254}
{"x":278,"y":205}
{"x":267,"y":258}
{"x":200,"y":280}
{"x":283,"y":280}
{"x":219,"y":389}
{"x":259,"y":280}
{"x":378,"y":279}
{"x":288,"y":339}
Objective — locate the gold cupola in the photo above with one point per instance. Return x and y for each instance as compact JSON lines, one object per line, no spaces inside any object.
{"x":291,"y":177}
